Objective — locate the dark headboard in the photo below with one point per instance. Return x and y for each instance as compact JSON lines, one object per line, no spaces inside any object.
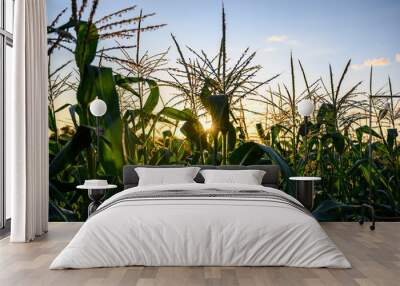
{"x":270,"y":179}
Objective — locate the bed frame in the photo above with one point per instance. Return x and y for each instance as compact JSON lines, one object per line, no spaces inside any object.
{"x":270,"y":179}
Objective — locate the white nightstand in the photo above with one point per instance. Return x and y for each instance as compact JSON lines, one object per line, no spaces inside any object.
{"x":96,"y":195}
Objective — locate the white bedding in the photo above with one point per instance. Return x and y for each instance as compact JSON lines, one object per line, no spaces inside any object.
{"x":200,"y":231}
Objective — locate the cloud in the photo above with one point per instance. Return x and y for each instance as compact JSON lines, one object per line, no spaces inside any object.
{"x":278,"y":39}
{"x":282,"y":39}
{"x":377,"y":62}
{"x":398,"y":57}
{"x":269,"y":50}
{"x":371,"y":62}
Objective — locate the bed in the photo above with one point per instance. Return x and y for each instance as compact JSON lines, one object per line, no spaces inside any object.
{"x":197,"y":224}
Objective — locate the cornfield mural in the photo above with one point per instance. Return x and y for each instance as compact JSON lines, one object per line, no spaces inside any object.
{"x":143,"y":126}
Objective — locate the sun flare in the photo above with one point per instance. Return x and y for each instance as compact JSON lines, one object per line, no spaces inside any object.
{"x":206,"y":122}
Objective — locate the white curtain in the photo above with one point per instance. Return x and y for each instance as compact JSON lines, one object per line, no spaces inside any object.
{"x":26,"y":124}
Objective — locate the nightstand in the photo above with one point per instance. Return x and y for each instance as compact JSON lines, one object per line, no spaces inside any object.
{"x":96,"y":195}
{"x":305,"y":190}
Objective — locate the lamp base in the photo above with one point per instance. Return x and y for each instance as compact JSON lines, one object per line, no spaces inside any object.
{"x":96,"y":196}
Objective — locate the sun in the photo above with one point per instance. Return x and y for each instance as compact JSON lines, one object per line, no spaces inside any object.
{"x":206,"y":122}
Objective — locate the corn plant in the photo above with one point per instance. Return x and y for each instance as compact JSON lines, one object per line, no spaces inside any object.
{"x":82,"y":38}
{"x":210,"y":86}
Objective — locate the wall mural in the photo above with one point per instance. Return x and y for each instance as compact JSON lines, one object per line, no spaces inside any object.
{"x":197,"y":110}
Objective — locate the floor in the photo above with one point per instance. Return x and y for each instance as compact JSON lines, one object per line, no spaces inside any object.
{"x":375,"y":256}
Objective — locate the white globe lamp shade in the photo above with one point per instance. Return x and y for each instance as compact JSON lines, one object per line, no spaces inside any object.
{"x":98,"y":107}
{"x":305,"y":107}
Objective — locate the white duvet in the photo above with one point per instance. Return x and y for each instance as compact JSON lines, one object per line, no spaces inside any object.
{"x":193,"y":231}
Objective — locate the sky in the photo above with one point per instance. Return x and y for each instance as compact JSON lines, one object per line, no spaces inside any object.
{"x":318,"y":33}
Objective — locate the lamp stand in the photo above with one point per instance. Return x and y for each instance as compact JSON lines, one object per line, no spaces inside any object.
{"x":97,"y":143}
{"x":305,"y":138}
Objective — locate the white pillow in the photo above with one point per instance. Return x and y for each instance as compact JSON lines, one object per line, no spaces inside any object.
{"x":166,"y":176}
{"x":248,"y":177}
